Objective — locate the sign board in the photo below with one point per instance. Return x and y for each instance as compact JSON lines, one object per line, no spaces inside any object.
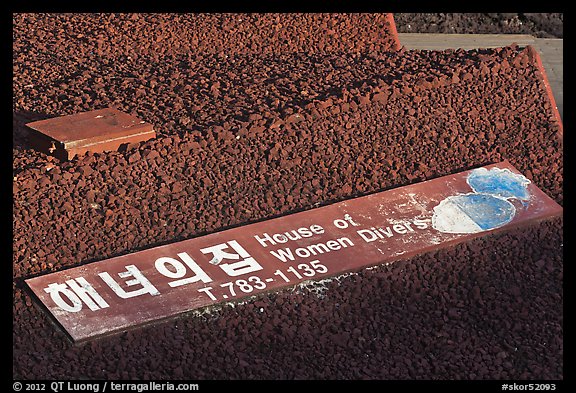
{"x":131,"y":290}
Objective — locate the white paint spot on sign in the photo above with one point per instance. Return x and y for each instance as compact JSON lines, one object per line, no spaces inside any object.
{"x":449,"y":218}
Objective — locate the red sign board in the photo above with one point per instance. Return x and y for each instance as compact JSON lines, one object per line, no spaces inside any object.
{"x":131,"y":290}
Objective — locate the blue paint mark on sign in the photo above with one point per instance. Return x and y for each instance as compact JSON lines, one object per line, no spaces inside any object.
{"x":499,"y":182}
{"x":486,"y":208}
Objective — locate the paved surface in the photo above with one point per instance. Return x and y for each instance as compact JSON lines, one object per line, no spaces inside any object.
{"x":551,"y":51}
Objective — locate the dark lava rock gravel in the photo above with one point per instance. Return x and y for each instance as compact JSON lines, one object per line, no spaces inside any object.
{"x":489,"y":309}
{"x":542,"y":25}
{"x":248,"y":135}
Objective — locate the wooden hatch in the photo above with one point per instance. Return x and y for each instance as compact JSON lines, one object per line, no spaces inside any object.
{"x":95,"y":131}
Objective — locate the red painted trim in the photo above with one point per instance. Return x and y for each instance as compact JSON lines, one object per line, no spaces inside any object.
{"x":393,"y":31}
{"x":537,"y":59}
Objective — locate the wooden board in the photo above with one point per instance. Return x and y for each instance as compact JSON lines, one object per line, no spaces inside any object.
{"x":131,"y":290}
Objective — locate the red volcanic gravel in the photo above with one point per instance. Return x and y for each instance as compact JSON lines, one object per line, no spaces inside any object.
{"x":153,"y":36}
{"x":464,"y":313}
{"x":254,"y":126}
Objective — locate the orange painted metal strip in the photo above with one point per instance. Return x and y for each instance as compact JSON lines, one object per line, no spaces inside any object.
{"x":537,"y":59}
{"x":393,"y":31}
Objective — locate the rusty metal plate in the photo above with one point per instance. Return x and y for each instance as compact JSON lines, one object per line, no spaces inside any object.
{"x":127,"y":291}
{"x":96,"y":131}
